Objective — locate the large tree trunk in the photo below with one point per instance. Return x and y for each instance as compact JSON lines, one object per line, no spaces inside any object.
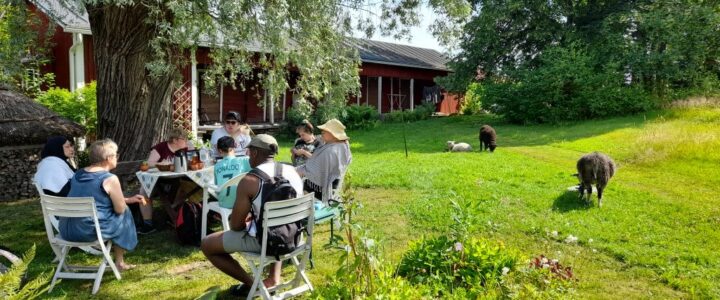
{"x":134,"y":109}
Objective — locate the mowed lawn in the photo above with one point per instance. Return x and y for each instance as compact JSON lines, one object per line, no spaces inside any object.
{"x":656,"y":236}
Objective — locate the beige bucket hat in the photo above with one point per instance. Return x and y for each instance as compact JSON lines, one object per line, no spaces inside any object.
{"x":334,"y":127}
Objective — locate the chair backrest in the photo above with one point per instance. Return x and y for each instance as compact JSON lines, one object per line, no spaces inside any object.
{"x":226,"y":193}
{"x":283,"y":212}
{"x":38,"y":187}
{"x":336,"y":189}
{"x":70,"y":207}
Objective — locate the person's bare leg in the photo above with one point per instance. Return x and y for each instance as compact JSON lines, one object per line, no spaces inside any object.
{"x":274,"y":275}
{"x":146,"y":210}
{"x":212,"y":247}
{"x":120,"y":259}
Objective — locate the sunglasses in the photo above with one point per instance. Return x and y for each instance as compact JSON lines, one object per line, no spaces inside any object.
{"x":231,"y":122}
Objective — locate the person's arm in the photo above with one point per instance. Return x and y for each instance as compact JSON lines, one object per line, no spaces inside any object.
{"x":153,"y":158}
{"x":112,"y":187}
{"x":246,"y":191}
{"x":300,"y":170}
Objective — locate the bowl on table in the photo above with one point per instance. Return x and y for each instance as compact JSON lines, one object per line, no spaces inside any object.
{"x":165,"y":167}
{"x":196,"y":166}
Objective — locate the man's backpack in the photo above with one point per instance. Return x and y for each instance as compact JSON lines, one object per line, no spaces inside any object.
{"x":282,"y":239}
{"x":188,"y":223}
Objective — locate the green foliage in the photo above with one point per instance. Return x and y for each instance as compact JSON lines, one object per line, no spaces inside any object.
{"x":589,"y":59}
{"x":79,"y":106}
{"x":456,"y":261}
{"x":11,"y":286}
{"x":360,"y":117}
{"x":421,"y":112}
{"x":564,"y":87}
{"x":23,"y":48}
{"x":472,"y":102}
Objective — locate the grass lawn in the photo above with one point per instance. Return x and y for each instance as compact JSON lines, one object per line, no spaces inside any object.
{"x":656,"y":236}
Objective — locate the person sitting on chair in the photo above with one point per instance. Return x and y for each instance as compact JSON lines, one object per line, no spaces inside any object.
{"x":329,"y":162}
{"x":242,"y":234}
{"x":116,"y":220}
{"x":168,"y":187}
{"x":305,"y":144}
{"x":56,"y":167}
{"x":227,"y":168}
{"x":232,"y":128}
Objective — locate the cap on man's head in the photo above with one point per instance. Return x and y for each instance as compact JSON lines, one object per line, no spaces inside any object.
{"x":264,"y":141}
{"x":226,"y":143}
{"x":232,"y":115}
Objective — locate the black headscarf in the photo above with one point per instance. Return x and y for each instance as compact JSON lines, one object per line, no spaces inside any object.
{"x":54,"y":147}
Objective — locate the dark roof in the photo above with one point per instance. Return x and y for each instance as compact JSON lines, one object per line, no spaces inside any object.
{"x":73,"y":18}
{"x":68,"y":14}
{"x":399,"y":55}
{"x":26,"y":122}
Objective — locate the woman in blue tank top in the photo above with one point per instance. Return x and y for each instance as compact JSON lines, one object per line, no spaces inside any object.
{"x":116,"y":220}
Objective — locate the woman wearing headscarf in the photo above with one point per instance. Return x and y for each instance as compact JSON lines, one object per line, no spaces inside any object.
{"x":329,"y":162}
{"x":55,"y":169}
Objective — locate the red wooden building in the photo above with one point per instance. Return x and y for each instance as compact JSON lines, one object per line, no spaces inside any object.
{"x":392,"y":76}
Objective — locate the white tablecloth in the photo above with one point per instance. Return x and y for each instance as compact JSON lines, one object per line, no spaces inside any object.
{"x":201,"y":177}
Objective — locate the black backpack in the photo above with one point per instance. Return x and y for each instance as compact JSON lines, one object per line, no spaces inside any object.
{"x":188,"y":223}
{"x":282,"y":239}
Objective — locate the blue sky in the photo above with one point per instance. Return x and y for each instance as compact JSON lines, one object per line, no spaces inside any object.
{"x":421,"y":36}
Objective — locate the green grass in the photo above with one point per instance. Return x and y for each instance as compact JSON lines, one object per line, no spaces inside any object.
{"x":656,"y":236}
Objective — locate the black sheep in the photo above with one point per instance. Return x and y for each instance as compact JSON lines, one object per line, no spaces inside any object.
{"x":487,"y":138}
{"x":594,"y":168}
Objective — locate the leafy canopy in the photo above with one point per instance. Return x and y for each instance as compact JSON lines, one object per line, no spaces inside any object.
{"x":269,"y":41}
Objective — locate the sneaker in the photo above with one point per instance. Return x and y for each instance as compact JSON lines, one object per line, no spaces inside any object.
{"x":146,"y":229}
{"x":240,"y":290}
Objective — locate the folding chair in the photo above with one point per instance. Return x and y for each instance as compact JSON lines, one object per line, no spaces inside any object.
{"x":212,"y":190}
{"x":280,"y":213}
{"x":54,"y":221}
{"x":331,"y":201}
{"x":76,"y":207}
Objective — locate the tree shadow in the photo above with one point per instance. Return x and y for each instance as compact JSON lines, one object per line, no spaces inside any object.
{"x":570,"y":201}
{"x":430,"y":136}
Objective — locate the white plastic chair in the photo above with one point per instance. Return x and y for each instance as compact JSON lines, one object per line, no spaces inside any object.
{"x":280,"y":213}
{"x":54,"y":221}
{"x":212,"y":190}
{"x":76,"y":207}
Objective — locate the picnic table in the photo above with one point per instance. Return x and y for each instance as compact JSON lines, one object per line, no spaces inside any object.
{"x":149,"y":178}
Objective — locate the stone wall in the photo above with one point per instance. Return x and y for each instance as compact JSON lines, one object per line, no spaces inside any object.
{"x":17,"y":167}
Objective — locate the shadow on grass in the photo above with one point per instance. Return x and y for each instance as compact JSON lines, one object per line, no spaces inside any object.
{"x":569,"y":201}
{"x":430,"y":136}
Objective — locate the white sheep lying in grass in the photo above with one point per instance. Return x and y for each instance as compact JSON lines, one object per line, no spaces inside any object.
{"x":458,"y":147}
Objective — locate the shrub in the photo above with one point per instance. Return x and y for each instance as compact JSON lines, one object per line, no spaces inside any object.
{"x":360,"y":117}
{"x":472,"y":103}
{"x":421,"y":112}
{"x":301,"y":110}
{"x":79,"y":106}
{"x":565,"y":87}
{"x":444,"y":264}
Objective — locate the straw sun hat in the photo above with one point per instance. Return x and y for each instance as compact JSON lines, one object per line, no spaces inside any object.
{"x":334,"y":127}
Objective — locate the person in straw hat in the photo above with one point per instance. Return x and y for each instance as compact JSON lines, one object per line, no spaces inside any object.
{"x":328,"y":162}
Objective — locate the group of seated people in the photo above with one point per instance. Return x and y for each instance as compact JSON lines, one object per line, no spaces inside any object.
{"x":320,"y":160}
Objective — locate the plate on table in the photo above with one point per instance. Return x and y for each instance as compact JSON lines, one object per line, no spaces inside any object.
{"x":152,"y":170}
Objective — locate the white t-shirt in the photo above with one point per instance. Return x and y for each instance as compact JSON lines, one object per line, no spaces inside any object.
{"x":53,"y":173}
{"x":241,"y":141}
{"x":269,"y":168}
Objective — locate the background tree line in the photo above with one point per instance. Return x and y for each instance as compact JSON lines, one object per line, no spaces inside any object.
{"x":553,"y":61}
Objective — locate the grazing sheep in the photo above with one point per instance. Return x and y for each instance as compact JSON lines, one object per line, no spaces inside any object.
{"x":458,"y":147}
{"x":488,"y":138}
{"x":594,"y":168}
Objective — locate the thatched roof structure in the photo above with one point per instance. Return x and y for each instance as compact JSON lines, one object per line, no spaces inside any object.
{"x":23,"y":121}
